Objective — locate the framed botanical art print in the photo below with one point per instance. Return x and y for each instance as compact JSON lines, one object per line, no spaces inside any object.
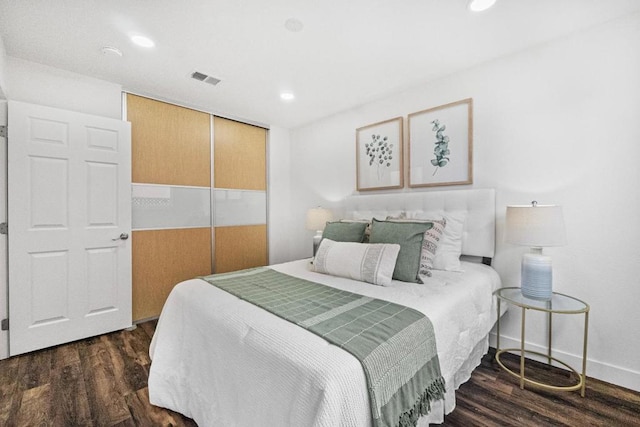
{"x":379,"y":156}
{"x":441,"y":145}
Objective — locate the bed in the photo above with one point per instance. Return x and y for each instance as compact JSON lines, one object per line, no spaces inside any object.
{"x":225,"y":362}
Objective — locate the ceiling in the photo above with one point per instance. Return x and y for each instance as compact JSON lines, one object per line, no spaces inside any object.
{"x":349,"y":52}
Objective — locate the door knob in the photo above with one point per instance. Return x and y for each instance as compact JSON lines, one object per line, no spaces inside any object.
{"x":123,"y":236}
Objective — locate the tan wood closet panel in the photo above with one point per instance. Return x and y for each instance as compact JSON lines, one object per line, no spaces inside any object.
{"x":240,"y":155}
{"x":241,"y":246}
{"x":169,"y":144}
{"x":161,"y":259}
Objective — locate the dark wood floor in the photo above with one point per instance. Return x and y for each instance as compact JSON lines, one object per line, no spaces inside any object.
{"x":492,"y":397}
{"x":102,"y":381}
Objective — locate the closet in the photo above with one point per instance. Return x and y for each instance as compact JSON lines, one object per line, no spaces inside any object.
{"x":240,"y":195}
{"x":198,"y":198}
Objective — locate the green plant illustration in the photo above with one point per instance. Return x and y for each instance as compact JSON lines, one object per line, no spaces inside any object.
{"x":441,"y":150}
{"x":380,"y":152}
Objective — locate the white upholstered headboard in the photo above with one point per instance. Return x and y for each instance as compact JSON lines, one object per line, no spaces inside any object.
{"x":480,"y":205}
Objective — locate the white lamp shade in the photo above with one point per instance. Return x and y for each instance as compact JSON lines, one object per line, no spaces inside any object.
{"x":536,"y":226}
{"x":317,"y":218}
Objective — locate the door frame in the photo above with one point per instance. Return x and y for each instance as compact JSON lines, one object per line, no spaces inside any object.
{"x":4,"y":253}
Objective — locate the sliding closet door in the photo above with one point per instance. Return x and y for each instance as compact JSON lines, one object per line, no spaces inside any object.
{"x":171,"y":199}
{"x":240,"y":196}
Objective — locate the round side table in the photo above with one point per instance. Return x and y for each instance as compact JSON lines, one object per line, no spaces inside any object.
{"x":558,"y":304}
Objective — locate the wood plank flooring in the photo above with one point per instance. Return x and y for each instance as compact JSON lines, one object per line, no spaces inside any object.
{"x":102,"y":381}
{"x":492,"y":397}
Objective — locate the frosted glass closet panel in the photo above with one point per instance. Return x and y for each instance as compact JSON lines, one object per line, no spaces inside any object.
{"x":239,"y":207}
{"x":166,"y":206}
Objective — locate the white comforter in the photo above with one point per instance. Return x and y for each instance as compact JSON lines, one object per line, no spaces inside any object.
{"x":224,"y":362}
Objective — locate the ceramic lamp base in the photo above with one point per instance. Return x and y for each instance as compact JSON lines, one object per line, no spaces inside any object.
{"x":537,"y":277}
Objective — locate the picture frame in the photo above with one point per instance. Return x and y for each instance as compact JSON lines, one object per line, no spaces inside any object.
{"x":379,"y":157}
{"x":441,"y":145}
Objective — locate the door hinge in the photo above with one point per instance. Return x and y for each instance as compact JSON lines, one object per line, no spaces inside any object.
{"x":4,"y":228}
{"x":3,"y":131}
{"x":5,"y":325}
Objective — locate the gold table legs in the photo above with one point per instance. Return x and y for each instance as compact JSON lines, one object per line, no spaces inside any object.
{"x":581,"y":384}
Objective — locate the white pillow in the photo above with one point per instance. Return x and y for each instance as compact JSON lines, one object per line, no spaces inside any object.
{"x":367,"y":262}
{"x":450,"y":247}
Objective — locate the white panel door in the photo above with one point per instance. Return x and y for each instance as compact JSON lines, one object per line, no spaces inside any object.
{"x":69,"y":177}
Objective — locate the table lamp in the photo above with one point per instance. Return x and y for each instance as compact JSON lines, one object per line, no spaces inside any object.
{"x":536,"y":226}
{"x":316,"y":220}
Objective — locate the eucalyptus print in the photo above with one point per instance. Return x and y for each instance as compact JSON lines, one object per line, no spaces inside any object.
{"x":380,"y":152}
{"x":441,"y":150}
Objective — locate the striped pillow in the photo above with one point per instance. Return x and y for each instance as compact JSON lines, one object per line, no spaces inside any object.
{"x":432,"y":238}
{"x":372,"y":263}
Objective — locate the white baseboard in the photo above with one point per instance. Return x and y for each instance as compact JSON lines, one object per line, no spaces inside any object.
{"x":603,"y":371}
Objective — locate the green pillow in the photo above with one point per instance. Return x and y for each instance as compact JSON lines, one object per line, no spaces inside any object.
{"x":409,"y":236}
{"x":345,"y":231}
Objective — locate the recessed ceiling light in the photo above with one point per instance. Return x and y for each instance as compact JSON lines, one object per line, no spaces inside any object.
{"x":480,"y":5}
{"x":294,"y":25}
{"x":111,"y":51}
{"x":287,"y":96}
{"x":142,"y":41}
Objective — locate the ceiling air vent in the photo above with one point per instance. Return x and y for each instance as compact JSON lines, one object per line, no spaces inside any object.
{"x":204,"y":78}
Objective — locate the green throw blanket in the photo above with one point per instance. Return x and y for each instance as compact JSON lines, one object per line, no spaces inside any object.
{"x":395,"y":344}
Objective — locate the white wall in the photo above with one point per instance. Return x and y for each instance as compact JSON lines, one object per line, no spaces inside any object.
{"x":44,"y":85}
{"x":279,"y":195}
{"x":558,"y":124}
{"x":3,"y":70}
